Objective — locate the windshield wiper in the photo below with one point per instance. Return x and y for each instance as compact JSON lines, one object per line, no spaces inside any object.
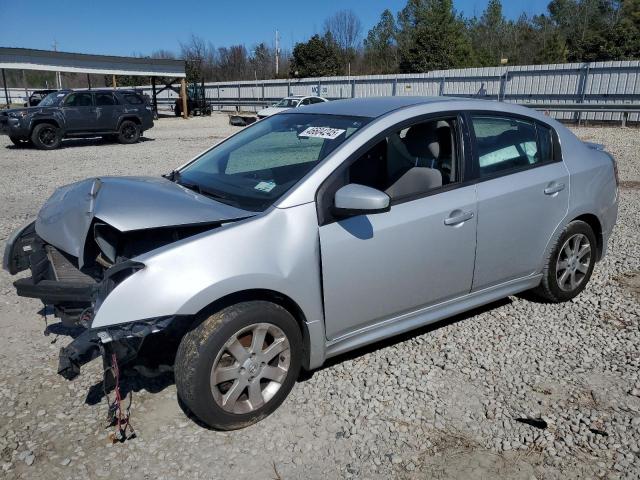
{"x":175,"y":176}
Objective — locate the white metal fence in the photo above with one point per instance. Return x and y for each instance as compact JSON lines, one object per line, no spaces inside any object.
{"x":600,"y":83}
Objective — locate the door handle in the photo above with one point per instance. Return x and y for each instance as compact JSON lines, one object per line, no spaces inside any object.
{"x":553,"y":189}
{"x":457,"y":217}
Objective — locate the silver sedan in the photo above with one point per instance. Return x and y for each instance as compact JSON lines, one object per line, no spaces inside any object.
{"x":312,"y":233}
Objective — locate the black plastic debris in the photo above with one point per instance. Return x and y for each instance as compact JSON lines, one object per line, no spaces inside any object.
{"x":534,"y":422}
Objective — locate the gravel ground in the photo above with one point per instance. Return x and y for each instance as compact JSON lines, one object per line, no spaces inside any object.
{"x":442,"y":402}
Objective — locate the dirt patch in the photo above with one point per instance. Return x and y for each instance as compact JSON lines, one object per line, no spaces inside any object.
{"x":630,"y":281}
{"x":630,"y":184}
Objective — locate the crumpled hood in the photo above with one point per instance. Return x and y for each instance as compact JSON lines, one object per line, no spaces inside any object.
{"x":267,"y":112}
{"x":127,"y":204}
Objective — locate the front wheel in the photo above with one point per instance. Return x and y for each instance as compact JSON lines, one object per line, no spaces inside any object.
{"x":239,"y":364}
{"x":46,"y":136}
{"x":570,"y":264}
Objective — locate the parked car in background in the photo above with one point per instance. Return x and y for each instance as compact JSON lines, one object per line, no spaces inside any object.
{"x":121,"y":115}
{"x":36,"y":97}
{"x":314,"y":232}
{"x":286,"y":103}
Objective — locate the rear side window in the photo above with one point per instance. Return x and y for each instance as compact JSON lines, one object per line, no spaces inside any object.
{"x":133,"y":99}
{"x":104,"y":99}
{"x":505,"y":144}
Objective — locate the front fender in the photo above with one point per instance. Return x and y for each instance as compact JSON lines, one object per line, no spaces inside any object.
{"x":276,"y":251}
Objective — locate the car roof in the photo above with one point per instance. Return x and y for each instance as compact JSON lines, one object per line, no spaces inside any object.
{"x":369,"y":107}
{"x":374,"y":107}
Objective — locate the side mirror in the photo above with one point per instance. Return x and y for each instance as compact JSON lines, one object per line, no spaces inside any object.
{"x":355,"y":199}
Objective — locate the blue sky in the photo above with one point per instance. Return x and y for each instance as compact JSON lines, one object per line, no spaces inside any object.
{"x":126,"y":27}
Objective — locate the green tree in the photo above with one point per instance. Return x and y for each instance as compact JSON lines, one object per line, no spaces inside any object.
{"x":490,"y":35}
{"x":380,"y":48}
{"x":431,"y":36}
{"x":586,"y":27}
{"x":319,"y":56}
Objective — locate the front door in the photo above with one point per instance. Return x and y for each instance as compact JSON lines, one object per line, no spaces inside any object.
{"x":523,"y":195}
{"x":79,"y":112}
{"x":421,"y":252}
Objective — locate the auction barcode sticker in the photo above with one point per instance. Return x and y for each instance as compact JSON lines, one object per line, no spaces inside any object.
{"x":322,"y":132}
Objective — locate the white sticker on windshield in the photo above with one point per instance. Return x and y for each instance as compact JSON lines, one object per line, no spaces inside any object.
{"x":60,"y":95}
{"x":266,"y":186}
{"x":322,"y":132}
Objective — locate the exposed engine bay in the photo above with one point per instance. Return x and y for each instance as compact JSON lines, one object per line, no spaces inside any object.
{"x":74,"y":293}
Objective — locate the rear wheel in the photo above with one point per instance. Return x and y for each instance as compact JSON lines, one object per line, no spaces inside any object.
{"x":570,"y":264}
{"x":46,"y":136}
{"x":129,"y":132}
{"x":239,"y":365}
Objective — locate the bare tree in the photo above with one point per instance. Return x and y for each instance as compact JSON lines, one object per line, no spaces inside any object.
{"x":199,"y":58}
{"x":163,"y":54}
{"x":346,"y":29}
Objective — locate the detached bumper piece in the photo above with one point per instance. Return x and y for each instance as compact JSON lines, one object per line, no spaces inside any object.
{"x":55,"y":279}
{"x":124,"y":341}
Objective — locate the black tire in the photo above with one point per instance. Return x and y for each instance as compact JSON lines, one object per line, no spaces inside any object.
{"x":553,"y":288}
{"x":129,"y":132}
{"x":46,"y":136}
{"x":20,"y":142}
{"x":204,"y":347}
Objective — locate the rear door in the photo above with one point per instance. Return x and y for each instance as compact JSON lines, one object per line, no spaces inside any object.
{"x":107,"y":111}
{"x":523,"y":195}
{"x":79,"y":112}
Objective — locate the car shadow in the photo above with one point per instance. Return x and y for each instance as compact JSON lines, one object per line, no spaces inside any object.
{"x":79,"y":142}
{"x":131,"y":381}
{"x":403,"y":337}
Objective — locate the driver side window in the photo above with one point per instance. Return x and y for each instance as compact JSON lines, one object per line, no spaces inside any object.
{"x":412,"y":161}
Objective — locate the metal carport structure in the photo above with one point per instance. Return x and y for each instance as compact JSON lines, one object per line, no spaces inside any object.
{"x":46,"y":60}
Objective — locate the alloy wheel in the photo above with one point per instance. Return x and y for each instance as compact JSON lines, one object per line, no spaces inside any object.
{"x":47,"y":136}
{"x":573,"y":262}
{"x":250,"y":368}
{"x":129,"y":132}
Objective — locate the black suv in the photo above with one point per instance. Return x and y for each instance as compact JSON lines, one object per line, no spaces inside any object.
{"x":121,"y":115}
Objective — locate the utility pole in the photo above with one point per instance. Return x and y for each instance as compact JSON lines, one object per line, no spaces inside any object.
{"x":277,"y":53}
{"x":58,"y":77}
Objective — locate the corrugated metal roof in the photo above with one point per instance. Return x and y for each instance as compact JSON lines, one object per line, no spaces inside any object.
{"x":29,"y":59}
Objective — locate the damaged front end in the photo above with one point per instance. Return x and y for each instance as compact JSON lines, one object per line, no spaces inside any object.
{"x":84,"y":244}
{"x":75,"y":294}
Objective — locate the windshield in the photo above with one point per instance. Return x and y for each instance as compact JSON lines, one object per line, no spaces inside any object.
{"x":288,"y":103}
{"x":257,"y":166}
{"x":51,"y":99}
